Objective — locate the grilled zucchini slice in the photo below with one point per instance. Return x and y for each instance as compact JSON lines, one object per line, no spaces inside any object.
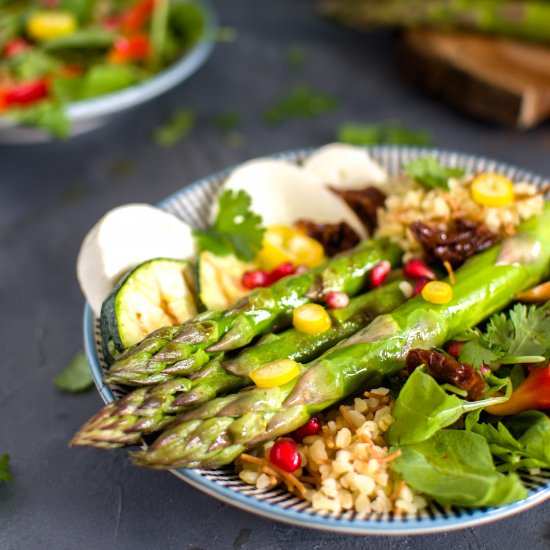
{"x":157,"y":293}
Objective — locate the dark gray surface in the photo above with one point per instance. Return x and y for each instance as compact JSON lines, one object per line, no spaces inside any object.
{"x":50,"y":195}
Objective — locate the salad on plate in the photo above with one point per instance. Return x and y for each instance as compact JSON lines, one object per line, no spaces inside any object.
{"x":371,"y":342}
{"x":57,"y":52}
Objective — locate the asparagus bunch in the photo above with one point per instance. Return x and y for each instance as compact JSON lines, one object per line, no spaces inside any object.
{"x":146,"y":410}
{"x":522,"y":19}
{"x":216,"y":433}
{"x":180,"y":351}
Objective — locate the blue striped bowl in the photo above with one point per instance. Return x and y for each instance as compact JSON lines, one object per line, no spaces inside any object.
{"x":192,"y":204}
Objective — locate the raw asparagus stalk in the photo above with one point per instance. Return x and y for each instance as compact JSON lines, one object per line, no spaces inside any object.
{"x":522,"y":19}
{"x":216,"y":433}
{"x":183,"y":350}
{"x":146,"y":410}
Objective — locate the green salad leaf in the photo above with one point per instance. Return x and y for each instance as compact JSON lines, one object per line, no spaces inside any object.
{"x":5,"y":474}
{"x":455,"y":467}
{"x":301,"y":102}
{"x":76,"y":377}
{"x":237,"y":229}
{"x":178,"y":127}
{"x":423,"y":407}
{"x":520,"y":441}
{"x":430,"y":173}
{"x":390,"y":133}
{"x":105,"y":79}
{"x":48,"y":115}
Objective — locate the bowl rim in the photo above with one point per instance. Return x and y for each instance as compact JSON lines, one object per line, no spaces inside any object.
{"x":168,"y":78}
{"x":326,"y":522}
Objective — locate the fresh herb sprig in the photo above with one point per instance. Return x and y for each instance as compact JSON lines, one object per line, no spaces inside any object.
{"x":430,"y":173}
{"x":5,"y":474}
{"x":76,"y":377}
{"x":237,"y":230}
{"x":522,"y":335}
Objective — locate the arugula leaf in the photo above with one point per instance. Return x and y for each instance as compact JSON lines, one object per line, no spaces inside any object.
{"x":237,"y":230}
{"x":521,"y":441}
{"x":76,"y":377}
{"x":456,"y":467}
{"x":428,"y":171}
{"x":390,"y":133}
{"x":5,"y":474}
{"x":301,"y":102}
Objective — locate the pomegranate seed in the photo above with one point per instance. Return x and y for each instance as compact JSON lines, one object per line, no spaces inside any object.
{"x":255,"y":279}
{"x":420,"y":284}
{"x":417,"y":269}
{"x":311,"y":427}
{"x":337,"y":300}
{"x":379,"y":273}
{"x":485,"y":370}
{"x":284,"y":270}
{"x":453,"y":348}
{"x":285,"y":455}
{"x":15,"y":47}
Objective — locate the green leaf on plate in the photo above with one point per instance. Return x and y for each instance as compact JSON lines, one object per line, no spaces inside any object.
{"x":76,"y":377}
{"x":176,"y":128}
{"x":389,"y":133}
{"x":5,"y":474}
{"x":430,"y":173}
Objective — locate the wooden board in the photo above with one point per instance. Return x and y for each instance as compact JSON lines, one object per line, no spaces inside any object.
{"x":494,"y":78}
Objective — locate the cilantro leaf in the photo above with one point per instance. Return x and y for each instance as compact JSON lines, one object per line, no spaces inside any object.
{"x":301,"y":102}
{"x":177,"y":128}
{"x":389,"y":133}
{"x":5,"y":474}
{"x":476,"y":353}
{"x":76,"y":377}
{"x":428,"y":171}
{"x":237,"y":230}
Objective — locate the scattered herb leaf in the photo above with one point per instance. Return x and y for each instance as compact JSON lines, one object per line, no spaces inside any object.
{"x":301,"y":102}
{"x":76,"y":377}
{"x":295,"y":57}
{"x":5,"y":474}
{"x":176,"y":129}
{"x":228,"y":120}
{"x":428,"y":171}
{"x":389,"y":133}
{"x":234,"y":140}
{"x":237,"y":230}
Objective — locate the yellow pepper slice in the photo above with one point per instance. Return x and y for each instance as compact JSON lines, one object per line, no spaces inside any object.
{"x":437,"y":292}
{"x":47,"y":25}
{"x":275,"y":374}
{"x":311,"y":319}
{"x":489,"y":189}
{"x":285,"y":244}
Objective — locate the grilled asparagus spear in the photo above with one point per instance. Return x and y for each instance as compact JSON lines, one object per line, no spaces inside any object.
{"x":176,"y":351}
{"x":216,"y":433}
{"x":146,"y":410}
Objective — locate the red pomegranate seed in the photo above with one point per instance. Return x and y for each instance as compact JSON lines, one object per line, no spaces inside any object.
{"x":337,"y":300}
{"x":417,"y":269}
{"x":15,"y":47}
{"x":420,"y":284}
{"x":254,"y":279}
{"x":453,"y":348}
{"x":379,"y":273}
{"x":285,"y":455}
{"x":311,"y":427}
{"x":284,"y":270}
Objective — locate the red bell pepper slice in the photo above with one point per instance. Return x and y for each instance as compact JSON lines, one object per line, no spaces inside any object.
{"x":135,"y":18}
{"x":130,"y":49}
{"x":25,"y":93}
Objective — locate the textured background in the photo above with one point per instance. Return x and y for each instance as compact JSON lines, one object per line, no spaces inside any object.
{"x":50,"y":195}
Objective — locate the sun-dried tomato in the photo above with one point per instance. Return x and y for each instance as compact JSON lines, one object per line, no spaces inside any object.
{"x":335,"y":237}
{"x":447,"y":369}
{"x":365,"y":203}
{"x":456,"y":242}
